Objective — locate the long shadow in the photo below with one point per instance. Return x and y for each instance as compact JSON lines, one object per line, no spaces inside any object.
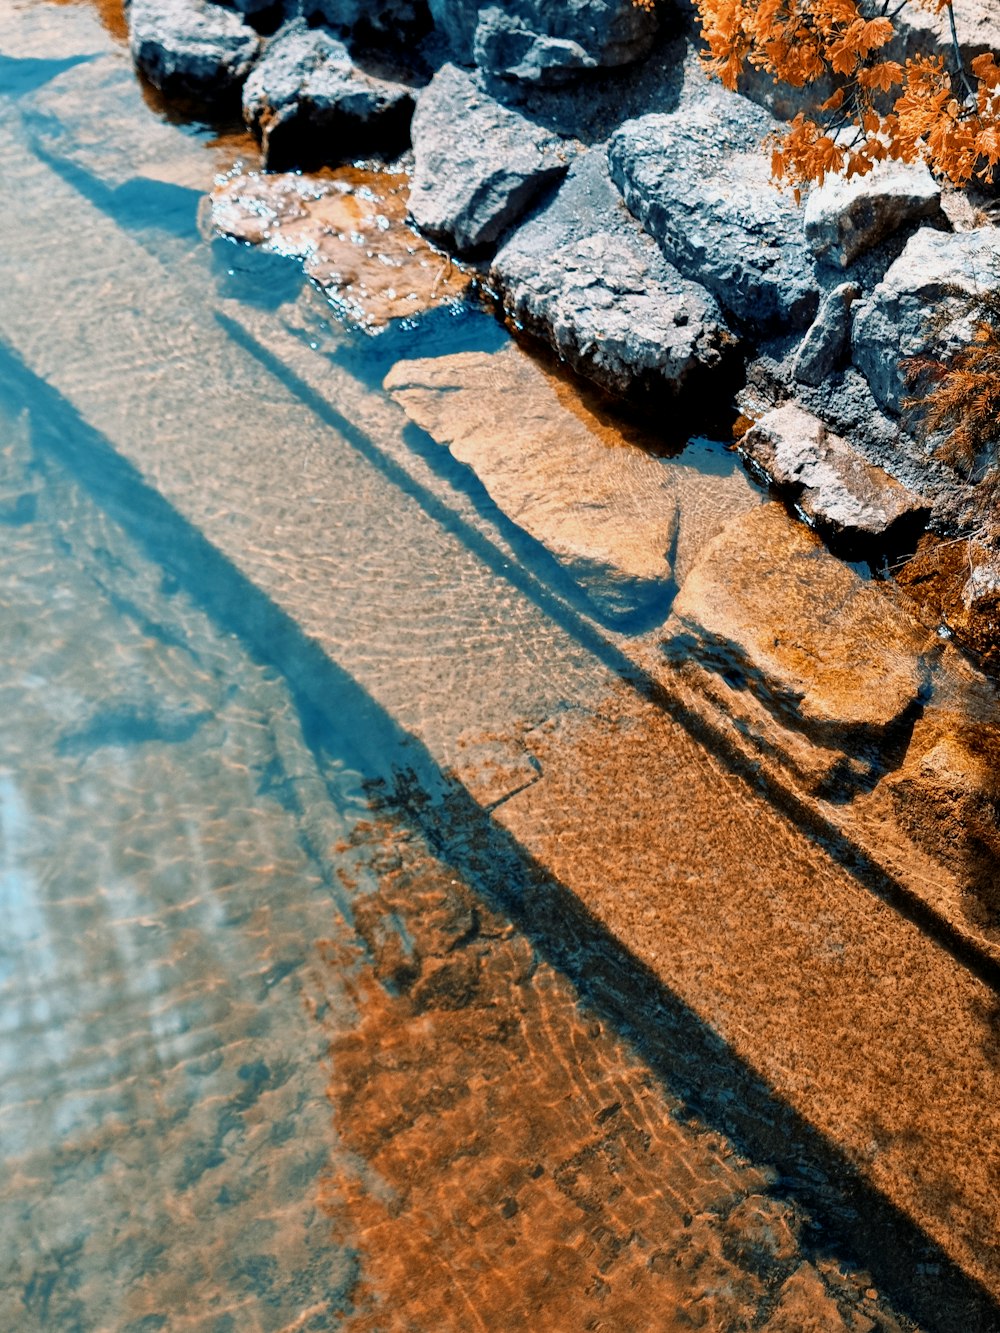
{"x":861,"y":867}
{"x":685,"y":1052}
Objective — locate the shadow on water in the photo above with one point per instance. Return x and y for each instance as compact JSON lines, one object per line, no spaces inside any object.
{"x":686,"y":1053}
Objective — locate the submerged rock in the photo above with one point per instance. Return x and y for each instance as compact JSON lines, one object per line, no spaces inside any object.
{"x":191,"y":48}
{"x":828,"y":339}
{"x":845,"y":218}
{"x":539,"y":42}
{"x":349,"y":229}
{"x":478,"y":165}
{"x":859,"y":508}
{"x":957,"y":584}
{"x":698,"y":181}
{"x":310,"y":104}
{"x":826,"y":652}
{"x":805,"y":1306}
{"x":583,"y":275}
{"x":928,"y":279}
{"x":604,"y":508}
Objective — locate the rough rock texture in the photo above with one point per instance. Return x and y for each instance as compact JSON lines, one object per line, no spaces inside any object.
{"x":699,"y":183}
{"x":947,"y":796}
{"x":827,"y":652}
{"x":190,"y":48}
{"x":393,"y":19}
{"x":957,"y":584}
{"x":805,"y":1306}
{"x":310,"y":104}
{"x":478,"y":165}
{"x":893,"y":323}
{"x":538,"y":42}
{"x":828,"y":339}
{"x":923,"y":32}
{"x":606,"y":511}
{"x":845,"y":218}
{"x":349,"y":228}
{"x":584,"y":275}
{"x":858,"y":508}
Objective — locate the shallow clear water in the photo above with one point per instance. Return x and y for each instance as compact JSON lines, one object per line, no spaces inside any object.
{"x":270,"y":1057}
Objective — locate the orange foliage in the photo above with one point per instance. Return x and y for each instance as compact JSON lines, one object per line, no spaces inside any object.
{"x":879,"y":108}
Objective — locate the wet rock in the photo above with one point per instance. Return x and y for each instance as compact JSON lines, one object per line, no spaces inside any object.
{"x":478,"y":165}
{"x":309,"y":103}
{"x":826,"y":344}
{"x":761,"y":1234}
{"x":769,"y":609}
{"x":393,"y":19}
{"x":606,"y":511}
{"x":845,"y":218}
{"x":805,"y":1306}
{"x":697,"y":180}
{"x":537,"y":42}
{"x":191,"y":48}
{"x":957,"y":584}
{"x":858,"y":507}
{"x":349,"y":229}
{"x":583,"y":275}
{"x":894,"y":322}
{"x":947,"y":796}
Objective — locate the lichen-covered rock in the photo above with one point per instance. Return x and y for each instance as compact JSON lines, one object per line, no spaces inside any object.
{"x":478,"y":165}
{"x":583,"y":275}
{"x":309,"y":103}
{"x":699,"y":183}
{"x":827,"y":652}
{"x":538,"y":42}
{"x":828,"y":339}
{"x":844,"y":218}
{"x":191,"y":48}
{"x":858,"y":507}
{"x":894,"y":322}
{"x":605,"y":510}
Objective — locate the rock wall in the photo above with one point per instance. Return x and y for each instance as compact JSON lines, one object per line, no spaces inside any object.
{"x":620,"y":205}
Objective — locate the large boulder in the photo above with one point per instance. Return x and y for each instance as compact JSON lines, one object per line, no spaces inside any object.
{"x":603,"y":508}
{"x":191,"y":48}
{"x":825,"y":651}
{"x":859,"y":508}
{"x":538,"y":42}
{"x":583,"y":275}
{"x":827,"y":342}
{"x":844,"y":218}
{"x":907,"y":313}
{"x":310,"y":104}
{"x":477,"y":165}
{"x":700,"y":184}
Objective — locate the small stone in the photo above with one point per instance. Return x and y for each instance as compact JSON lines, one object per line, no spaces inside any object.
{"x":857,"y":506}
{"x":478,"y":165}
{"x":826,"y":344}
{"x":844,"y":218}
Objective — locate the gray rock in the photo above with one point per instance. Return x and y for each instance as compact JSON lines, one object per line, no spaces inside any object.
{"x":309,"y":103}
{"x":845,"y":218}
{"x":859,"y":508}
{"x":605,"y":509}
{"x":828,"y":339}
{"x":395,"y":19}
{"x":700,"y":184}
{"x":190,"y":48}
{"x":927,"y":280}
{"x":477,"y":165}
{"x":583,"y":275}
{"x":538,"y":42}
